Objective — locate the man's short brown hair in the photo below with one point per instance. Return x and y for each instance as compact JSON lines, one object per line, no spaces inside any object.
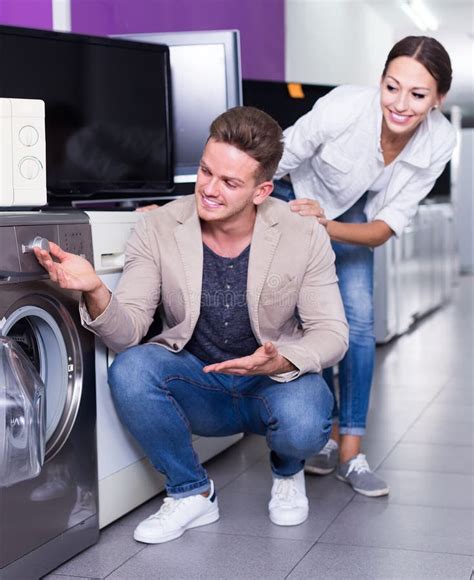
{"x":253,"y":132}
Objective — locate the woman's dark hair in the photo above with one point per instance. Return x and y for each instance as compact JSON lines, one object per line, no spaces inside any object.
{"x":428,"y":52}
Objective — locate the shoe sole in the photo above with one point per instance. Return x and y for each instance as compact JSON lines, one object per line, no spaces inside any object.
{"x":373,"y":493}
{"x":318,"y":470}
{"x":204,"y":520}
{"x":286,"y":522}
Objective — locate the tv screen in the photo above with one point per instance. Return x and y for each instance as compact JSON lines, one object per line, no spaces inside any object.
{"x":441,"y":190}
{"x":274,"y":97}
{"x":205,"y":81}
{"x":107,"y":103}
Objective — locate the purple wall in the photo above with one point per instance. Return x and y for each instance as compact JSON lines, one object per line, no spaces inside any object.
{"x":261,"y":24}
{"x":29,"y":13}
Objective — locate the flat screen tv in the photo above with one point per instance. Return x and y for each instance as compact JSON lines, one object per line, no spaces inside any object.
{"x":205,"y":81}
{"x":441,"y":191}
{"x":275,"y":98}
{"x":108,"y":111}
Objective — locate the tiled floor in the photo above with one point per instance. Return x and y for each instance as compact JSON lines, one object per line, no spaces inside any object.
{"x":420,"y":439}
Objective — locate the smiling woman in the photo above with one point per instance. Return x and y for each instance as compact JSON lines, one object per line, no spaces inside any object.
{"x":366,"y":157}
{"x":415,"y":80}
{"x":408,"y":94}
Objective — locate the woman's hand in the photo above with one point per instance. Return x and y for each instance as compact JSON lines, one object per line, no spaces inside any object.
{"x":145,"y":208}
{"x":309,"y":207}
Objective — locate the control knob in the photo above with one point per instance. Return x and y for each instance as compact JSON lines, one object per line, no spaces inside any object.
{"x":30,"y":167}
{"x":28,"y":136}
{"x":38,"y":242}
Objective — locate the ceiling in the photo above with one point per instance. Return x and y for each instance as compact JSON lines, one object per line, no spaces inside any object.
{"x":455,"y":32}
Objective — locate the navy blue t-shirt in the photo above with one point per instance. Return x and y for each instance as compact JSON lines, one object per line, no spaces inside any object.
{"x":223,"y":329}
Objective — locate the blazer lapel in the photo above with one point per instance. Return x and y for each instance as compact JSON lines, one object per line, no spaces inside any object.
{"x":265,"y":240}
{"x":189,"y":241}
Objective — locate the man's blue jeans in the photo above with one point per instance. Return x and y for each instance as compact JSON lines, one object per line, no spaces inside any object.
{"x":164,"y":397}
{"x":355,"y":270}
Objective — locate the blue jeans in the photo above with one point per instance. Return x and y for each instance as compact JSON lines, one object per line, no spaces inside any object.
{"x":282,"y":189}
{"x":164,"y":397}
{"x":355,"y":270}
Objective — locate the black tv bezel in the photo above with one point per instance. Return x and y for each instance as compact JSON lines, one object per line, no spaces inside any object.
{"x":79,"y":190}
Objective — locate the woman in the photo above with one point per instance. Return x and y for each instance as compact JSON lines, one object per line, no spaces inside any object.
{"x":368,"y":156}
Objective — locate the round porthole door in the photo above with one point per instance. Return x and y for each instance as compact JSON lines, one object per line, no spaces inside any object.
{"x":44,"y":330}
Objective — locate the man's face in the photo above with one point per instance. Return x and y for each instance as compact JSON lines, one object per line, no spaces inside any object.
{"x":226,"y":188}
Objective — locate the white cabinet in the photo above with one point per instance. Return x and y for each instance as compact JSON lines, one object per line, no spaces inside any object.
{"x":415,"y":273}
{"x":385,"y":291}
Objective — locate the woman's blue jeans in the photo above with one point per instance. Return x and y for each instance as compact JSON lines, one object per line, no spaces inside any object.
{"x":355,"y":270}
{"x":164,"y":397}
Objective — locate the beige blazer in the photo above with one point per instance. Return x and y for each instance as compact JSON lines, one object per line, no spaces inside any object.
{"x":291,"y":265}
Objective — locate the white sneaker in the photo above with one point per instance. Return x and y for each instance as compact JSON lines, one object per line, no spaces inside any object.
{"x":176,"y":516}
{"x":289,"y":505}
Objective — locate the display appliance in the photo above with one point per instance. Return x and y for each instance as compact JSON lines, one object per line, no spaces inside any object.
{"x":107,"y":110}
{"x":206,"y":81}
{"x":23,"y":159}
{"x":50,"y":513}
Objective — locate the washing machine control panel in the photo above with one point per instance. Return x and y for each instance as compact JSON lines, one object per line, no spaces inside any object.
{"x":18,"y":241}
{"x":72,"y":239}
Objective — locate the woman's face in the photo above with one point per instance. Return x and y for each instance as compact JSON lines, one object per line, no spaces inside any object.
{"x":408,"y":93}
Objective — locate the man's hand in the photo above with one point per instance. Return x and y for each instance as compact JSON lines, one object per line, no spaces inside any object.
{"x":75,"y":273}
{"x":264,"y":361}
{"x":69,"y":271}
{"x":309,"y":207}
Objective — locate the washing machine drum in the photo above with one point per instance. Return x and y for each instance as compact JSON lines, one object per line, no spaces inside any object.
{"x":22,"y":416}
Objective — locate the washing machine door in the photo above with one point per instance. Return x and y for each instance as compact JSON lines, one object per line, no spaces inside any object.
{"x":22,"y":416}
{"x":44,"y":331}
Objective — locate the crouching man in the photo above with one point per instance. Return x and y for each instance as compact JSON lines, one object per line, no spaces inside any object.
{"x":251,"y":314}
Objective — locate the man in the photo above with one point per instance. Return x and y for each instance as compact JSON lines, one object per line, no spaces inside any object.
{"x":251,"y":314}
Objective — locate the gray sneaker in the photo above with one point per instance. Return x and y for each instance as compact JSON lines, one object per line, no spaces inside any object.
{"x":325,"y":461}
{"x":357,"y":473}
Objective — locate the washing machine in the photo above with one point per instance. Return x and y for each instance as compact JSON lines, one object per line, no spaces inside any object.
{"x":126,"y":477}
{"x":49,"y":517}
{"x":385,"y":291}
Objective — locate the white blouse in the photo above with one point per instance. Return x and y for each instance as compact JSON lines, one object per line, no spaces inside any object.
{"x":332,"y":154}
{"x":381,"y":182}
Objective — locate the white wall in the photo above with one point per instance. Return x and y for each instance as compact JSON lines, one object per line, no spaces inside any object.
{"x":464,"y":209}
{"x":335,"y":41}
